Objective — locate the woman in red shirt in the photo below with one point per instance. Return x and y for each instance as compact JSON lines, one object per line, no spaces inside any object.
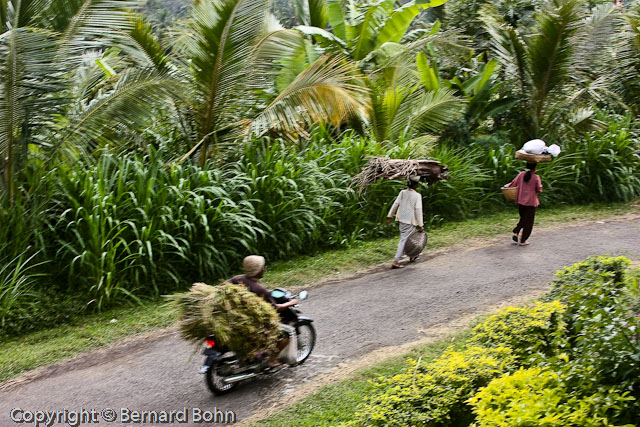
{"x":529,"y":185}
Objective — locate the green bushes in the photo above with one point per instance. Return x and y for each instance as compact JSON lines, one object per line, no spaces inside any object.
{"x":538,"y":330}
{"x":539,"y":397}
{"x":17,"y":280}
{"x":600,"y":166}
{"x":435,"y":394}
{"x":129,"y":227}
{"x":125,"y":229}
{"x":572,"y":361}
{"x":603,"y":320}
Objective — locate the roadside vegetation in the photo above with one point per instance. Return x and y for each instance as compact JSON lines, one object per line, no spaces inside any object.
{"x":138,"y":156}
{"x":568,"y":359}
{"x":82,"y":332}
{"x":128,"y":228}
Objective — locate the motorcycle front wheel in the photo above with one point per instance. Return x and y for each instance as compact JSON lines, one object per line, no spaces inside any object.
{"x":306,"y":342}
{"x":216,"y":383}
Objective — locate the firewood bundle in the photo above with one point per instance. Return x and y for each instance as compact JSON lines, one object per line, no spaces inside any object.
{"x":429,"y":171}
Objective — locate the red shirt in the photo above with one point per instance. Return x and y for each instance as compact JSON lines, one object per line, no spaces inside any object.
{"x":527,"y":191}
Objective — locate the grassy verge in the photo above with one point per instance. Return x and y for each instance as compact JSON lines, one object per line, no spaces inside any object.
{"x":44,"y":347}
{"x":18,"y":355}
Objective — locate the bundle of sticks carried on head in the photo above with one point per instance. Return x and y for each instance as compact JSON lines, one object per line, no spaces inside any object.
{"x":429,"y":171}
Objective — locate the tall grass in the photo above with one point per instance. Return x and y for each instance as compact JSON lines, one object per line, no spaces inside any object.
{"x":126,"y":226}
{"x":17,"y":280}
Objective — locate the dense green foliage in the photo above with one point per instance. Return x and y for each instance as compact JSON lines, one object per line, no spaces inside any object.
{"x":572,"y":361}
{"x":538,"y":396}
{"x":137,"y":157}
{"x":128,"y":226}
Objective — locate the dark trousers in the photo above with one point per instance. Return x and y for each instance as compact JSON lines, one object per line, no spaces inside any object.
{"x":527,"y":216}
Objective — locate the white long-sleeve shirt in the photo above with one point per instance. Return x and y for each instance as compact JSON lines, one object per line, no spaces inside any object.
{"x":408,"y":208}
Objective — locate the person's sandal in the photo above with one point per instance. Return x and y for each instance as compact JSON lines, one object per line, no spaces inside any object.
{"x":515,"y":237}
{"x":523,"y":243}
{"x":394,"y":266}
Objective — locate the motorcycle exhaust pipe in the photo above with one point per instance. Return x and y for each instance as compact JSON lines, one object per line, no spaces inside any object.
{"x":240,"y":377}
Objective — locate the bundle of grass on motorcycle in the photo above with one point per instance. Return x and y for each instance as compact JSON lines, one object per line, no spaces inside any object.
{"x":239,"y":332}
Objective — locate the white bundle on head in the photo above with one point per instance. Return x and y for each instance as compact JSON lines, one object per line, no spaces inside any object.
{"x":554,"y":150}
{"x":535,"y":146}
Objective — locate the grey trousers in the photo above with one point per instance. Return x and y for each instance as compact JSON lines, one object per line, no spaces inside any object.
{"x":405,"y":232}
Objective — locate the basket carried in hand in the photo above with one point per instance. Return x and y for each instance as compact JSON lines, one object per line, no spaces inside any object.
{"x":533,"y":158}
{"x":510,"y":193}
{"x":415,"y":243}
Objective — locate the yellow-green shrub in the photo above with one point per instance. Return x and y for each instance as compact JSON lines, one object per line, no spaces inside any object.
{"x":526,"y":330}
{"x":436,"y":393}
{"x":576,"y":278}
{"x":537,"y":397}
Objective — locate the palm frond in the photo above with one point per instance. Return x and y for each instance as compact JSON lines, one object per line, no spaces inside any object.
{"x":626,"y":61}
{"x":4,"y":15}
{"x":24,"y":13}
{"x":427,"y":112}
{"x":387,"y":108}
{"x":508,"y":47}
{"x":326,"y":91}
{"x":224,"y":33}
{"x":89,"y":23}
{"x":551,"y":50}
{"x":452,"y":47}
{"x":367,"y":28}
{"x":31,"y":81}
{"x":595,"y":36}
{"x":280,"y":56}
{"x":313,"y":13}
{"x":129,"y":105}
{"x":276,"y":45}
{"x":328,"y":41}
{"x":143,"y":46}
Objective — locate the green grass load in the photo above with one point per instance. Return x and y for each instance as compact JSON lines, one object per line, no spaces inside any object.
{"x":239,"y":319}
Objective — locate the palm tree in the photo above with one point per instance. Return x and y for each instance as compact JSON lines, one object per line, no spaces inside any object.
{"x":625,"y":60}
{"x":480,"y":87}
{"x":370,"y":34}
{"x":228,"y":57}
{"x":551,"y":69}
{"x":43,"y":47}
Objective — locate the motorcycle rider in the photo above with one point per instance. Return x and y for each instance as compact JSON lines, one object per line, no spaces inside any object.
{"x":254,"y":267}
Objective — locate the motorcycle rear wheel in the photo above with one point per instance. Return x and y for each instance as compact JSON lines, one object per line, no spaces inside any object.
{"x":216,"y":383}
{"x":306,"y":342}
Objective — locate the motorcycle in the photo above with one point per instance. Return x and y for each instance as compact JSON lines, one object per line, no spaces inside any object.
{"x":223,"y":369}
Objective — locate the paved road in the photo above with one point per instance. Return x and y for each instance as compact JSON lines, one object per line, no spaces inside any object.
{"x":385,"y":308}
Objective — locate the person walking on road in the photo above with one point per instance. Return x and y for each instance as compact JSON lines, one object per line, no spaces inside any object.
{"x":407,"y":209}
{"x":529,"y":185}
